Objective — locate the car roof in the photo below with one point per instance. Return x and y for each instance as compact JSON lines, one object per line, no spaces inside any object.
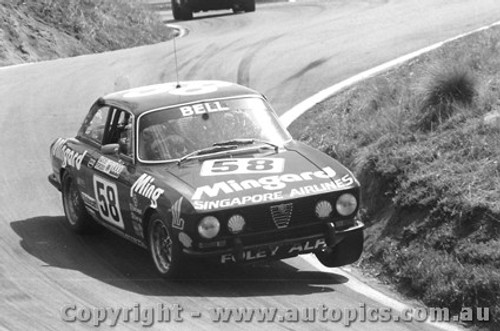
{"x":144,"y":98}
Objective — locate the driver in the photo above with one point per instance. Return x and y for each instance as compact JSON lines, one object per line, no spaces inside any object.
{"x":177,"y":146}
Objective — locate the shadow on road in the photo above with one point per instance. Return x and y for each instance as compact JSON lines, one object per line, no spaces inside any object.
{"x":113,"y":260}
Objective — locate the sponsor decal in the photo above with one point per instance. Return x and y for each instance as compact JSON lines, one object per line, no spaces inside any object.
{"x":336,"y":185}
{"x":242,"y":166}
{"x":137,"y":225}
{"x":108,"y":202}
{"x":110,"y":167}
{"x":135,"y":202}
{"x":314,"y":189}
{"x":56,"y":149}
{"x":202,"y":108}
{"x":144,"y":186}
{"x":237,"y":201}
{"x":136,"y":217}
{"x":91,"y":163}
{"x":270,"y":183}
{"x":177,"y":221}
{"x":281,"y":214}
{"x":136,"y":210}
{"x":89,"y":201}
{"x":271,"y":251}
{"x":72,"y":158}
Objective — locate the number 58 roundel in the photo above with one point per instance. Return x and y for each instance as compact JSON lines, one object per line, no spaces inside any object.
{"x":106,"y":195}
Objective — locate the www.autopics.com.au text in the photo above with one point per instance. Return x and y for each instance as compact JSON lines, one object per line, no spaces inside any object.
{"x":175,"y":313}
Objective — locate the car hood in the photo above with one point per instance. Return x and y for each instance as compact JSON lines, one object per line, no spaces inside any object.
{"x":261,"y":177}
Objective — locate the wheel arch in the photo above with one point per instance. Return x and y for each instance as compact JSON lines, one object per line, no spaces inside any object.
{"x":146,"y":220}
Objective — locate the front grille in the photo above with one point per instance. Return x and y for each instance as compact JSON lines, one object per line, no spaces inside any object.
{"x":296,"y":213}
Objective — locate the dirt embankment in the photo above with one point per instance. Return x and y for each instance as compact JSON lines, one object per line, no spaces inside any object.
{"x":46,"y":29}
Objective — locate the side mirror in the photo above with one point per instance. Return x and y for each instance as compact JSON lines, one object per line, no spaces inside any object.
{"x":110,"y":149}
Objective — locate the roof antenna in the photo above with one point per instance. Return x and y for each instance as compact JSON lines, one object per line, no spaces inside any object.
{"x":176,"y":64}
{"x":178,"y":31}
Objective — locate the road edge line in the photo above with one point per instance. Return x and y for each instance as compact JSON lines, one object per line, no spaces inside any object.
{"x":295,"y":112}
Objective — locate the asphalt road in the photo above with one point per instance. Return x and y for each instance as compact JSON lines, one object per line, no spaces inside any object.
{"x":288,"y":51}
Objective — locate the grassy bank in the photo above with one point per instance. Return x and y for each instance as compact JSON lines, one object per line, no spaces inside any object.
{"x":49,"y":29}
{"x":430,"y":168}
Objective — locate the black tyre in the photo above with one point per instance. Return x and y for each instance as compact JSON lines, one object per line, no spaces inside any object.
{"x":346,"y":252}
{"x":165,"y":250}
{"x":77,"y":217}
{"x":181,"y":11}
{"x":248,"y":5}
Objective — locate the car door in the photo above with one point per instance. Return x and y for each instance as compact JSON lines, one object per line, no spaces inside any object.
{"x":108,"y":172}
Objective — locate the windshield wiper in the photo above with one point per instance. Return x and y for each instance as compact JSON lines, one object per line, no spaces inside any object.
{"x":246,"y":141}
{"x":207,"y":150}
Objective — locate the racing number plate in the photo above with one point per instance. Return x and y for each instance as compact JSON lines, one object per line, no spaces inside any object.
{"x":106,"y":195}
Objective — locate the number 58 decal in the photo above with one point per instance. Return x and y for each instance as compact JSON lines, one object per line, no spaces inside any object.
{"x":242,"y":166}
{"x":106,"y":195}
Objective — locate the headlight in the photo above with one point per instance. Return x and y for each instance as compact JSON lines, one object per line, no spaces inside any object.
{"x":236,"y":224}
{"x":209,"y":227}
{"x":323,"y":209}
{"x":346,"y":204}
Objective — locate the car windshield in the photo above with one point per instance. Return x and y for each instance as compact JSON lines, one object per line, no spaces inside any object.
{"x":172,"y":133}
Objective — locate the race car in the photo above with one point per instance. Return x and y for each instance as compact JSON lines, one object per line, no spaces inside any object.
{"x":184,"y":9}
{"x":204,"y":170}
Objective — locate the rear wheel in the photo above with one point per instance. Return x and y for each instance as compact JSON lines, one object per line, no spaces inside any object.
{"x":77,"y":217}
{"x":181,"y":11}
{"x":165,"y":250}
{"x":346,"y":252}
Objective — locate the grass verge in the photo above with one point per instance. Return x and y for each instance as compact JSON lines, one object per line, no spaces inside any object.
{"x":49,"y":29}
{"x":430,"y":170}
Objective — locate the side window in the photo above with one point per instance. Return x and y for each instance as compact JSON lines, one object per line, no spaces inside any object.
{"x":95,"y":126}
{"x":120,"y":132}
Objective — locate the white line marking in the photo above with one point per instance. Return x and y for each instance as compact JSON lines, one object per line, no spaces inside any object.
{"x":181,"y":30}
{"x":292,"y":114}
{"x":14,"y":66}
{"x":358,"y":286}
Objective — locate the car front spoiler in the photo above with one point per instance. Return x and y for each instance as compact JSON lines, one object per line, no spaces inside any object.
{"x":331,"y":237}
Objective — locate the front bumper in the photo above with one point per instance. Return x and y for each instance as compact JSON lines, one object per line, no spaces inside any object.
{"x":279,"y":249}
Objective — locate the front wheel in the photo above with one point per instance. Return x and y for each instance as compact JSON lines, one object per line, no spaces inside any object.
{"x":77,"y":217}
{"x":181,"y":11}
{"x":248,"y":5}
{"x":346,"y":252}
{"x":165,"y":250}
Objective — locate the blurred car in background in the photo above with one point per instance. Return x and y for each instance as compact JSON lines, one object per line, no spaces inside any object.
{"x":184,"y":9}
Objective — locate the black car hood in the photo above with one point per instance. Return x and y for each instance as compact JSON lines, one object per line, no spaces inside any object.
{"x":259,"y":177}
